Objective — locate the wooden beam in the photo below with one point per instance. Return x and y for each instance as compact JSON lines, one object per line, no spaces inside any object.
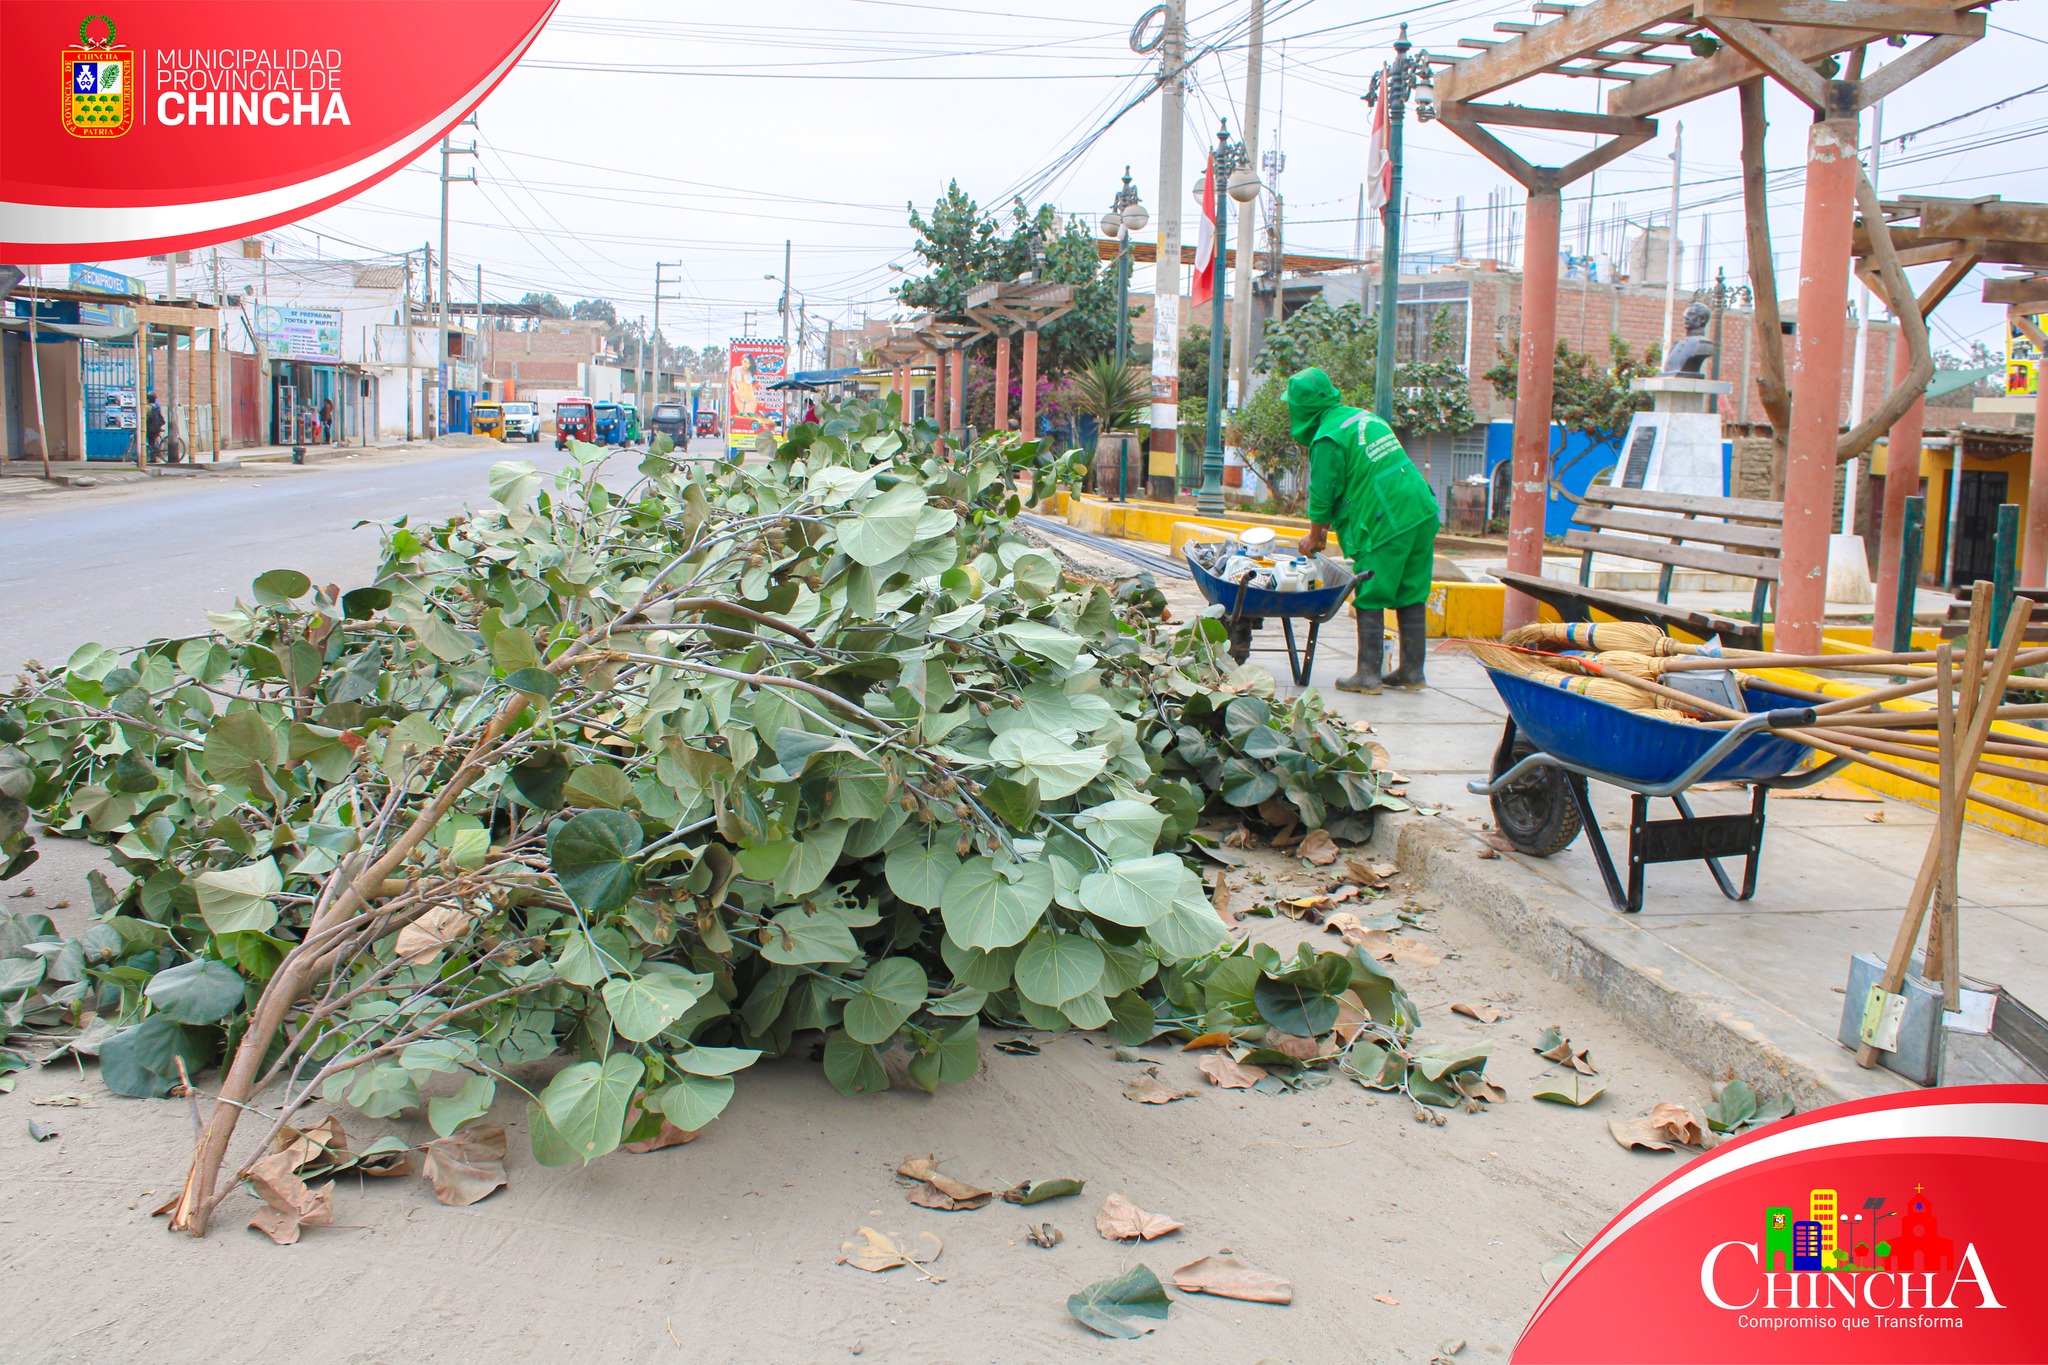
{"x":1763,"y":48}
{"x":2025,"y":291}
{"x":1558,"y":120}
{"x":1951,"y":275}
{"x":1993,"y":218}
{"x":1592,"y":161}
{"x":1491,"y":147}
{"x":1887,"y":79}
{"x":1729,"y":68}
{"x":1883,"y":18}
{"x":1587,"y":28}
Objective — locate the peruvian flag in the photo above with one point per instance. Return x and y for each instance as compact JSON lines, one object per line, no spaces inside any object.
{"x":1205,"y":242}
{"x":1379,"y":166}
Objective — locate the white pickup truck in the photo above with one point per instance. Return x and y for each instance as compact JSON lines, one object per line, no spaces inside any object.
{"x":522,"y":420}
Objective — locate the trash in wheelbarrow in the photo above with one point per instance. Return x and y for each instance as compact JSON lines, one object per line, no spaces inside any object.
{"x":1254,"y":566}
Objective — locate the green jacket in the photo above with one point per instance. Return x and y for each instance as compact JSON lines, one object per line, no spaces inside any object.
{"x":1361,"y":483}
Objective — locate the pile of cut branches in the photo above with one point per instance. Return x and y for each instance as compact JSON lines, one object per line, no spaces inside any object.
{"x":666,"y":776}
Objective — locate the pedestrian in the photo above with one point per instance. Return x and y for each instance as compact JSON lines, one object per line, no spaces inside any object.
{"x":1362,"y":484}
{"x":810,"y":411}
{"x":327,"y":419}
{"x":153,"y":427}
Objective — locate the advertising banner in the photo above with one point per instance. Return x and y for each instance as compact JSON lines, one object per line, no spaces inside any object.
{"x":301,"y":333}
{"x":751,"y":410}
{"x":101,"y":281}
{"x":2022,"y":361}
{"x":1891,"y":1229}
{"x":168,"y":124}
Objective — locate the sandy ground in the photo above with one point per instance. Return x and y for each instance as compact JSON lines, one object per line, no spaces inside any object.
{"x":1396,"y":1235}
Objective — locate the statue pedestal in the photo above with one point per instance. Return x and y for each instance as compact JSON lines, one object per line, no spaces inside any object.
{"x":1676,"y":446}
{"x":1849,"y":571}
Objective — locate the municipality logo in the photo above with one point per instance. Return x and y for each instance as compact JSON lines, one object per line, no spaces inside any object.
{"x":99,"y":82}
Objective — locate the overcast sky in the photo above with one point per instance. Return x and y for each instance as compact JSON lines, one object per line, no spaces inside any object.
{"x":638,"y":131}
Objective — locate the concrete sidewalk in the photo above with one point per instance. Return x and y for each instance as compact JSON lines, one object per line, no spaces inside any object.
{"x":1752,"y":989}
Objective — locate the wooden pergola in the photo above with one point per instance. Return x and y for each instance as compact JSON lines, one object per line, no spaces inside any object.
{"x":1958,"y":235}
{"x":1005,"y":308}
{"x":1657,"y":55}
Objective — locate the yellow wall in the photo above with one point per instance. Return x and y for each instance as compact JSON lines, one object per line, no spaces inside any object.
{"x":1937,"y":466}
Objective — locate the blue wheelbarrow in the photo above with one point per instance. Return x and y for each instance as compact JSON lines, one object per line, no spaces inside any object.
{"x":1245,"y":609}
{"x":1557,"y":740}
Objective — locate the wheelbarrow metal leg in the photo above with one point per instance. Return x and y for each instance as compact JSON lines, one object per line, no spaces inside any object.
{"x":1302,"y":663}
{"x":1623,"y":900}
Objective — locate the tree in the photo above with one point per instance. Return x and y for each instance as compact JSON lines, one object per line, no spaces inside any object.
{"x":595,"y":310}
{"x":548,"y":304}
{"x":1587,"y":397}
{"x":1431,"y":393}
{"x":711,"y":362}
{"x":965,"y":247}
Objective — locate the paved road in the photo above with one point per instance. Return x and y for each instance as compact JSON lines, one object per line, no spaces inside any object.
{"x":122,"y":565}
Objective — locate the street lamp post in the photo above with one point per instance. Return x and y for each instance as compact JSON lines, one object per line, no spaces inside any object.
{"x":1230,"y":179}
{"x":1394,"y":83}
{"x":1126,"y":216}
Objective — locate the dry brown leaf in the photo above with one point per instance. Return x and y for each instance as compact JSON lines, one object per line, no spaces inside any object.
{"x":1498,"y":841}
{"x":1474,"y":1086}
{"x":1202,"y":1040}
{"x":1563,"y":1053}
{"x":1303,"y":1049}
{"x":1352,"y":1017}
{"x":1229,"y":1278}
{"x":1488,"y":853}
{"x":1319,"y":848}
{"x":1382,"y":761}
{"x":432,"y":932}
{"x":1386,"y":1298}
{"x":1224,"y":1070}
{"x":1344,"y":892}
{"x":669,"y":1136}
{"x":1634,"y":1133}
{"x":876,"y":1251}
{"x":1875,"y":817}
{"x":1241,"y":837}
{"x":1043,"y":1235}
{"x":67,"y":1100}
{"x":1409,"y":953}
{"x":1288,"y":838}
{"x":1356,"y":934}
{"x":1279,"y":812}
{"x":1830,"y":789}
{"x":937,"y":1190}
{"x":1121,"y":1220}
{"x":1667,"y":1124}
{"x":467,"y":1164}
{"x":1149,"y":1089}
{"x":289,"y":1204}
{"x":1485,"y":1014}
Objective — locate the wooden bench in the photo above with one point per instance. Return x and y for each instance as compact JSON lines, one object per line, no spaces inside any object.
{"x":1958,"y":622}
{"x":1668,"y":529}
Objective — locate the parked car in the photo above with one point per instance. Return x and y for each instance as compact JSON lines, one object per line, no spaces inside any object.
{"x":575,"y":420}
{"x":674,"y":420}
{"x":487,"y":418}
{"x":522,"y":421}
{"x":611,"y":424}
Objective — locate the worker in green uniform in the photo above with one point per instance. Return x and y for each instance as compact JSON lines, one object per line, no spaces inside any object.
{"x":1362,"y":484}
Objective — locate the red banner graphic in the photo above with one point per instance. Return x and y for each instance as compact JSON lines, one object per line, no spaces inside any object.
{"x":166,"y":124}
{"x":1883,"y":1230}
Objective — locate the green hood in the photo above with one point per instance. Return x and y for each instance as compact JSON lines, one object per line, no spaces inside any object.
{"x":1310,"y":397}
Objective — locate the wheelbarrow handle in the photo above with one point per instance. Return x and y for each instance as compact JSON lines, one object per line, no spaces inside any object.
{"x":1791,"y":718}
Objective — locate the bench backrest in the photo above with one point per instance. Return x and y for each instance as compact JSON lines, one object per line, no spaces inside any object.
{"x":1739,"y":537}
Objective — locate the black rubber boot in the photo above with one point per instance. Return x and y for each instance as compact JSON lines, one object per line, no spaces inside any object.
{"x":1372,"y":650}
{"x":1414,"y":625}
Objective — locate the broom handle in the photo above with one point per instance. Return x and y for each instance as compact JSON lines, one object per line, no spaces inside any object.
{"x":1880,"y":742}
{"x":1966,"y":764}
{"x":1913,"y":739}
{"x":1942,"y":928}
{"x":1923,"y":719}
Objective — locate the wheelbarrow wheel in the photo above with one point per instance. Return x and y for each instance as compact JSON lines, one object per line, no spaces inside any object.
{"x":1537,"y":813}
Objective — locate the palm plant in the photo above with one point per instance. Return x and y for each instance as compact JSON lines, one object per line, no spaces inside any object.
{"x":1114,"y":395}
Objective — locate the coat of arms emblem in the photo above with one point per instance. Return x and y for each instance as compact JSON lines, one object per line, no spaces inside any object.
{"x":99,"y":84}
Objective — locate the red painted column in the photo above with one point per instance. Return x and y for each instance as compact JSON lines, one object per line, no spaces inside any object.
{"x":1003,"y":382}
{"x":2034,"y":563}
{"x":1901,"y":481}
{"x":960,"y":389}
{"x":903,"y":389}
{"x":1028,"y":403}
{"x":937,"y":409}
{"x":1831,"y":169}
{"x":1533,"y":385}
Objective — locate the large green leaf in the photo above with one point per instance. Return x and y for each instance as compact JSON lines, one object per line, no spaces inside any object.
{"x":888,"y":994}
{"x":1056,"y":966}
{"x":1060,"y":768}
{"x":384,"y":1091}
{"x":986,"y":905}
{"x":690,"y":1102}
{"x":279,"y":586}
{"x":471,"y":1100}
{"x":196,"y":992}
{"x":642,"y":1006}
{"x":1122,"y":828}
{"x":816,"y":854}
{"x":854,"y":1068}
{"x":513,"y":482}
{"x":953,"y":1056}
{"x":586,"y":1103}
{"x":885,"y":526}
{"x":1049,"y":643}
{"x":591,"y":853}
{"x":716,"y":1061}
{"x":1134,"y":891}
{"x":1125,"y":1306}
{"x":1192,"y":929}
{"x":240,"y":745}
{"x":918,"y":871}
{"x":236,"y":900}
{"x":142,"y":1059}
{"x":797,"y":936}
{"x":978,"y":970}
{"x":1294,"y":1005}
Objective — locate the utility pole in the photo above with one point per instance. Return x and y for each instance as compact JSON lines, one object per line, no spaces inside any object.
{"x":1391,"y":88}
{"x":1241,"y":278}
{"x":1671,"y":243}
{"x":411,"y":375}
{"x":448,"y":149}
{"x":785,"y":300}
{"x":659,"y":280}
{"x":1171,"y":43}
